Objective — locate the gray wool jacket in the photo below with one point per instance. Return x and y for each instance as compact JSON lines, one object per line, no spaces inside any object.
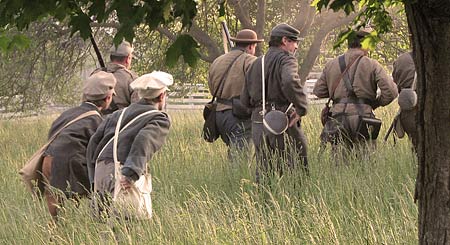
{"x":69,"y":172}
{"x":282,"y":83}
{"x":136,"y":144}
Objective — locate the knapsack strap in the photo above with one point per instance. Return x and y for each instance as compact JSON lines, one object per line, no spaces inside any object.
{"x":86,"y":114}
{"x":126,"y":126}
{"x":348,"y":82}
{"x":222,"y":81}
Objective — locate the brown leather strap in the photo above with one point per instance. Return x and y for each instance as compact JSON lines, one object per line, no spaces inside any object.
{"x":342,"y":75}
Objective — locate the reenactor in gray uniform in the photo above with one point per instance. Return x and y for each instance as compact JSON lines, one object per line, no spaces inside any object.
{"x":283,"y":87}
{"x":64,"y":165}
{"x":403,"y":75}
{"x":137,"y":144}
{"x":348,"y":107}
{"x":226,"y":76}
{"x":120,"y":65}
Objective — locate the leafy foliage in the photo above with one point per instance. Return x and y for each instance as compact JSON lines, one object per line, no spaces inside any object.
{"x":80,"y":14}
{"x":184,"y":45}
{"x":46,"y":72}
{"x":373,"y":12}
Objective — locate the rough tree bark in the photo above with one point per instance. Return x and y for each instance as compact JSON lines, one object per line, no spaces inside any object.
{"x":429,"y":23}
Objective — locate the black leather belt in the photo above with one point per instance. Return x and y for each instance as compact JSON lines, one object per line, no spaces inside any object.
{"x":353,"y":101}
{"x":224,"y":101}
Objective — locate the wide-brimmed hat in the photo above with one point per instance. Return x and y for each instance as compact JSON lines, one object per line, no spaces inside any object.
{"x":276,"y":122}
{"x":246,"y":36}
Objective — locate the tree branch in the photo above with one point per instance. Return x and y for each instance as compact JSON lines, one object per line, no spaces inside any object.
{"x":241,"y":14}
{"x":314,"y":49}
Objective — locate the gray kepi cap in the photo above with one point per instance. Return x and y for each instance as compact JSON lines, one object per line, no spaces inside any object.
{"x":285,"y":30}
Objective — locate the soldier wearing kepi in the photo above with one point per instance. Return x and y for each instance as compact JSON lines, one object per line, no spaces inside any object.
{"x":404,"y":75}
{"x":64,"y":165}
{"x":137,"y":144}
{"x":351,"y":81}
{"x":226,"y":80}
{"x":282,"y":87}
{"x":121,"y":57}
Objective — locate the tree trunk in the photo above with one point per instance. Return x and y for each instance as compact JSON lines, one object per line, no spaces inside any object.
{"x":429,"y":23}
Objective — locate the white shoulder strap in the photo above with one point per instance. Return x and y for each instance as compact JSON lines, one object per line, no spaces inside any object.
{"x":128,"y":124}
{"x":413,"y":86}
{"x":263,"y":87}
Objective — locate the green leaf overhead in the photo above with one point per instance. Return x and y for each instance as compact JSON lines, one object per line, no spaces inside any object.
{"x":373,"y":12}
{"x":184,"y":46}
{"x":80,"y":13}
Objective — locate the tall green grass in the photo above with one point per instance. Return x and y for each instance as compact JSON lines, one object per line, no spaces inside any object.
{"x":200,"y":197}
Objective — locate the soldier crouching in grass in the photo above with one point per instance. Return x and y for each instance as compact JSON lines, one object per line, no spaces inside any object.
{"x":142,"y":131}
{"x":64,"y":164}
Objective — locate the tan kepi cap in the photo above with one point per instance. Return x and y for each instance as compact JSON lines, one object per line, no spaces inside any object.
{"x":99,"y":85}
{"x":246,"y":36}
{"x":151,"y":85}
{"x":285,"y":30}
{"x":123,"y":49}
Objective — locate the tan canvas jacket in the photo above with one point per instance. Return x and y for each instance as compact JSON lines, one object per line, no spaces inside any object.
{"x":235,"y":80}
{"x":124,"y":94}
{"x":368,"y":76}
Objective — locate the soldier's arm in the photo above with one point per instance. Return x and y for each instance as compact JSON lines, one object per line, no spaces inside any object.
{"x":321,"y":87}
{"x":291,"y":85}
{"x":387,"y":87}
{"x":245,"y":96}
{"x":146,"y":143}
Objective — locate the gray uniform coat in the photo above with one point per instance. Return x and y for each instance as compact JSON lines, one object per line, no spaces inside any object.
{"x":403,"y":75}
{"x":136,"y":145}
{"x":69,"y":168}
{"x":283,"y":87}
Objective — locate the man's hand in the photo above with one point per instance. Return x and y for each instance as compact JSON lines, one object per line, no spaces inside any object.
{"x":293,"y":118}
{"x":126,"y":182}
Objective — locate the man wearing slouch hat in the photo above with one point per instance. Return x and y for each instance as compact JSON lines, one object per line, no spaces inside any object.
{"x":226,"y":79}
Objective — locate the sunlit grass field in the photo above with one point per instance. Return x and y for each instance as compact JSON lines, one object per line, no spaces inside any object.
{"x":201,"y":198}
